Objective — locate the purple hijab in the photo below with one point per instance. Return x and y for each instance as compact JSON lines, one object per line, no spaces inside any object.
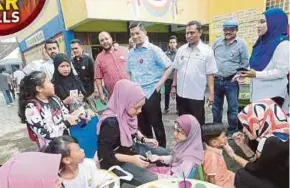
{"x":191,"y":149}
{"x":126,"y":94}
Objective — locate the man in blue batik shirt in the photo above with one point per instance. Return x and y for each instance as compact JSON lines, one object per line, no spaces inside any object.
{"x":148,"y":66}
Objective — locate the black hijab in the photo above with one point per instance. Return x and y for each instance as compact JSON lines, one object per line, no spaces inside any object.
{"x":63,"y":84}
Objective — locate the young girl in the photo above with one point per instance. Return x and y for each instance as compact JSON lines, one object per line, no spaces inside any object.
{"x":76,"y":171}
{"x":44,"y":113}
{"x":187,"y":153}
{"x":67,"y":86}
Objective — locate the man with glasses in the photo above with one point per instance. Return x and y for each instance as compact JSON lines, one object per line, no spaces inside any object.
{"x":231,"y":54}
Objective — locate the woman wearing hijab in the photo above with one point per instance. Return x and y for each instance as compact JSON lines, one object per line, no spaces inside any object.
{"x":265,"y":122}
{"x":187,"y":153}
{"x":31,"y":169}
{"x":67,"y":86}
{"x":270,"y":58}
{"x":118,"y":131}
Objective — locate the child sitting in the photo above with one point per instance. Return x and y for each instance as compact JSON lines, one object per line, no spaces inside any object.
{"x":76,"y":171}
{"x":215,"y":167}
{"x":187,"y":153}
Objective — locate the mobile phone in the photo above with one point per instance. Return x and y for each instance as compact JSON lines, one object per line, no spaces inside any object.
{"x":241,"y":69}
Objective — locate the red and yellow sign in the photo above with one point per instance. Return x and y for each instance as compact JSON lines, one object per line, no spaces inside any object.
{"x":15,"y":15}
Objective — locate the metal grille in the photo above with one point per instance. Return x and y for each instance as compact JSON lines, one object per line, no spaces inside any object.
{"x":283,"y":4}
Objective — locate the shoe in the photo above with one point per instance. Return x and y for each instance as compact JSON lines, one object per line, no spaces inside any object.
{"x":165,"y":111}
{"x":12,"y":103}
{"x":9,"y":105}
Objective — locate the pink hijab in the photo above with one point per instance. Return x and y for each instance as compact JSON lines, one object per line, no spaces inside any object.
{"x":126,"y":94}
{"x":191,"y":149}
{"x":30,"y":169}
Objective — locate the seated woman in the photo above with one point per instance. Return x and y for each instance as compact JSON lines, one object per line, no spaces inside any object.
{"x":31,"y":169}
{"x":76,"y":171}
{"x":187,"y":154}
{"x":67,"y":86}
{"x":265,"y":122}
{"x":118,"y":131}
{"x":45,"y":115}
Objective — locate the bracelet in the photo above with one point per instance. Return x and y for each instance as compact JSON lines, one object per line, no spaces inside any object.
{"x":142,"y":139}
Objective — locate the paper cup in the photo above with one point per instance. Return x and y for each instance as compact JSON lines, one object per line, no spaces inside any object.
{"x":184,"y":184}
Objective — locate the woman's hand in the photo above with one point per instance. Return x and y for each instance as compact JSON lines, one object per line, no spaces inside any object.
{"x":154,"y":158}
{"x":239,"y":138}
{"x":250,"y":73}
{"x":151,"y":142}
{"x":229,"y":150}
{"x":68,"y":100}
{"x":140,"y":161}
{"x":72,"y":119}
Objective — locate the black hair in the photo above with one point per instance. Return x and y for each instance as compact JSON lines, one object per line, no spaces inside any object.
{"x":137,"y":24}
{"x":59,"y":145}
{"x":76,"y":41}
{"x":2,"y":70}
{"x":28,"y":91}
{"x":194,"y":22}
{"x":212,"y":131}
{"x":173,"y":37}
{"x":51,"y":41}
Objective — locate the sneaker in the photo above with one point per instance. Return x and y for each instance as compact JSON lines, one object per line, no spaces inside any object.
{"x":9,"y":105}
{"x":165,"y":111}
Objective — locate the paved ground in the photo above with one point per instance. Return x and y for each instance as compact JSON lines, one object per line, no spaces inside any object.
{"x":14,"y":138}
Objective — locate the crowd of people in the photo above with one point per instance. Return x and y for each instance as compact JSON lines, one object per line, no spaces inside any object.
{"x":62,"y":95}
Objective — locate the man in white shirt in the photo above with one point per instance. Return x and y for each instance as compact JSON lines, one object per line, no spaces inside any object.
{"x":195,"y":65}
{"x":52,"y":49}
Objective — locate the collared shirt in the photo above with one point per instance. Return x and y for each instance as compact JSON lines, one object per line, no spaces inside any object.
{"x":111,"y":67}
{"x":215,"y":165}
{"x":85,"y":69}
{"x":146,"y":66}
{"x":193,"y":64}
{"x":171,"y":55}
{"x":231,"y":56}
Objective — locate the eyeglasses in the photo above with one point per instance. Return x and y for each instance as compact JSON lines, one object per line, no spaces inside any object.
{"x":178,"y":128}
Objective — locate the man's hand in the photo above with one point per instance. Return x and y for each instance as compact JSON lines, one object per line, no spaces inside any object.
{"x":158,"y":87}
{"x":210,"y":99}
{"x":173,"y":92}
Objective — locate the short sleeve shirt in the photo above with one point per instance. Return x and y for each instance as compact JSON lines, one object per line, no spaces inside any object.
{"x":215,"y":165}
{"x":193,"y":64}
{"x":111,"y":67}
{"x":88,"y":177}
{"x":146,"y":66}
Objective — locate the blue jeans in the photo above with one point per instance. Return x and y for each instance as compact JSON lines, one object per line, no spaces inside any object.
{"x":229,"y":89}
{"x":142,"y":175}
{"x":7,"y":96}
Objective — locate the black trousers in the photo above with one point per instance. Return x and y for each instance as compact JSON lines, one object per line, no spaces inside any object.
{"x":244,"y":179}
{"x":167,"y":85}
{"x":151,"y":116}
{"x":193,"y":107}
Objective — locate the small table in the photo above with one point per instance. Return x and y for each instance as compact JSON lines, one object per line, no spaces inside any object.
{"x":173,"y":183}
